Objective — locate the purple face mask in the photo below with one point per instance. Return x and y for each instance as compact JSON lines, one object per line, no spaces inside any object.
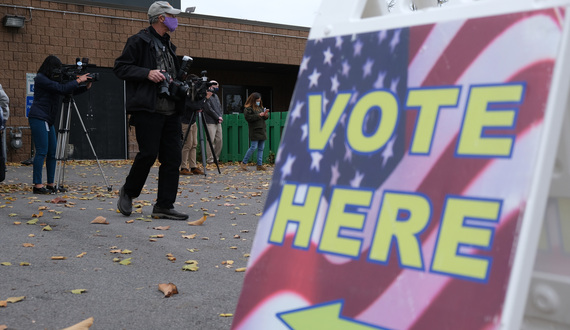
{"x":171,"y":23}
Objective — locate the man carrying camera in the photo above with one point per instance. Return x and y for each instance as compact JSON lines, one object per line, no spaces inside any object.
{"x":156,"y":119}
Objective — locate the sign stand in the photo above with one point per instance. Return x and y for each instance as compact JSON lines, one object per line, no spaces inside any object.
{"x":414,"y":173}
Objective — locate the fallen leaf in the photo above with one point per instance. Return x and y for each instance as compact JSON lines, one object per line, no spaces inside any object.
{"x":130,"y":221}
{"x":32,"y":222}
{"x":17,"y":222}
{"x":100,"y":220}
{"x":198,"y":222}
{"x":83,"y":325}
{"x":15,"y":299}
{"x":23,"y":263}
{"x":189,"y":236}
{"x":78,"y":291}
{"x":157,"y":236}
{"x":47,"y":228}
{"x":81,"y":255}
{"x":58,"y":200}
{"x":240,"y":270}
{"x":58,"y":258}
{"x":125,"y":251}
{"x":162,"y":228}
{"x":226,"y":315}
{"x":6,"y":264}
{"x":116,"y":251}
{"x":227,"y":262}
{"x":28,"y":245}
{"x":168,"y":289}
{"x":192,"y":268}
{"x":3,"y":303}
{"x":126,"y":262}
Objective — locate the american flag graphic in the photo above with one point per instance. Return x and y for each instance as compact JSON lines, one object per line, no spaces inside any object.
{"x":512,"y":48}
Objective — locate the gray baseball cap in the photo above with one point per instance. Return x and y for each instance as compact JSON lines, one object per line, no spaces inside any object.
{"x":162,"y":7}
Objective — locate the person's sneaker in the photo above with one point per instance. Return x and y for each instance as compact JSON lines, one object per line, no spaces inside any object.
{"x":261,"y":168}
{"x":125,"y":203}
{"x":185,"y":171}
{"x":243,"y":166}
{"x":41,"y":191}
{"x":197,"y":171}
{"x":52,"y":189}
{"x":172,"y":214}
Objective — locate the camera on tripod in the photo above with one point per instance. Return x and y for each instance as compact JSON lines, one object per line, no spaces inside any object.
{"x":69,"y":72}
{"x":199,"y":85}
{"x":176,"y":88}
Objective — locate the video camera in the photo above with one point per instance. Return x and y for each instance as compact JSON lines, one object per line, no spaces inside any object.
{"x":69,"y":72}
{"x":176,"y":88}
{"x":199,"y":85}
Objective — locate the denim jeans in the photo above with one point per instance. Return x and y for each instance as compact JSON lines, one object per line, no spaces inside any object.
{"x":255,"y":145}
{"x":45,"y":142}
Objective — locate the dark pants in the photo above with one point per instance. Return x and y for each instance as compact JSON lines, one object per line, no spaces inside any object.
{"x":157,"y":136}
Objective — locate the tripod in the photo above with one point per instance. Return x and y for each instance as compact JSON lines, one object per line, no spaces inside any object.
{"x":61,"y":151}
{"x":201,"y":121}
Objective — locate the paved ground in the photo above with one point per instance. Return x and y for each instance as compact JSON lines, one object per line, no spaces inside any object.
{"x":125,"y":296}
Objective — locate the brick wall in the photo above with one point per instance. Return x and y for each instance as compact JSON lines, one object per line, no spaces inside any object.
{"x":70,"y":31}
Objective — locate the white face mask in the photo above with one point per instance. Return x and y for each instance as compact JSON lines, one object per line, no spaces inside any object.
{"x":257,"y":103}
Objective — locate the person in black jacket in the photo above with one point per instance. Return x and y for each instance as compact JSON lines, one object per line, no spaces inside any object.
{"x":145,"y":57}
{"x":48,"y":94}
{"x":255,"y":115}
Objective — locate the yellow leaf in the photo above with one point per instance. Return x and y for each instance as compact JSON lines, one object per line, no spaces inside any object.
{"x":162,"y":228}
{"x":83,"y":325}
{"x":100,"y":220}
{"x":157,"y":236}
{"x":13,"y":214}
{"x":240,"y":270}
{"x":233,"y":247}
{"x":3,"y":303}
{"x":24,"y":263}
{"x":246,"y":255}
{"x":125,"y":251}
{"x":198,"y":222}
{"x":15,"y":299}
{"x":189,"y":236}
{"x":78,"y":291}
{"x":58,"y":258}
{"x":28,"y":245}
{"x":32,"y":222}
{"x":226,"y":315}
{"x":46,"y":228}
{"x":126,"y":262}
{"x":81,"y":255}
{"x":168,"y":289}
{"x":6,"y":264}
{"x":192,"y":268}
{"x":17,"y":223}
{"x":191,"y":262}
{"x":130,"y":221}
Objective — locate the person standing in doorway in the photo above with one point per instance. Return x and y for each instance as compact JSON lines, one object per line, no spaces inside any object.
{"x":255,"y":115}
{"x":213,"y":111}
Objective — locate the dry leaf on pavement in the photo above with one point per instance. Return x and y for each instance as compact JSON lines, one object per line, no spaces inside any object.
{"x":198,"y":222}
{"x":59,"y":200}
{"x":161,"y":228}
{"x":85,"y":324}
{"x":100,"y":220}
{"x":168,"y":289}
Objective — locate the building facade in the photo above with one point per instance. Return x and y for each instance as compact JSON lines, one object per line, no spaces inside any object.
{"x":244,"y":56}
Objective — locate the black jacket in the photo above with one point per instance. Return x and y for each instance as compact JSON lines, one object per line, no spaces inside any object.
{"x":47,"y":97}
{"x":133,"y":66}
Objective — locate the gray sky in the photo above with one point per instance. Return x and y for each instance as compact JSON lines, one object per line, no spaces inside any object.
{"x":290,"y":12}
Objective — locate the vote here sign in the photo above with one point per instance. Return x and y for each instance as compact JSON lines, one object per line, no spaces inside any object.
{"x":403,"y":176}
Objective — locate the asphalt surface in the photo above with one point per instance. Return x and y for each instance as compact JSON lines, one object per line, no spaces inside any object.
{"x":122,"y":296}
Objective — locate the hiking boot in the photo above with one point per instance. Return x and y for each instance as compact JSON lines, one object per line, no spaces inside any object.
{"x":162,"y":213}
{"x":261,"y":168}
{"x":243,"y":166}
{"x":125,"y":203}
{"x":197,"y":171}
{"x":185,"y":171}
